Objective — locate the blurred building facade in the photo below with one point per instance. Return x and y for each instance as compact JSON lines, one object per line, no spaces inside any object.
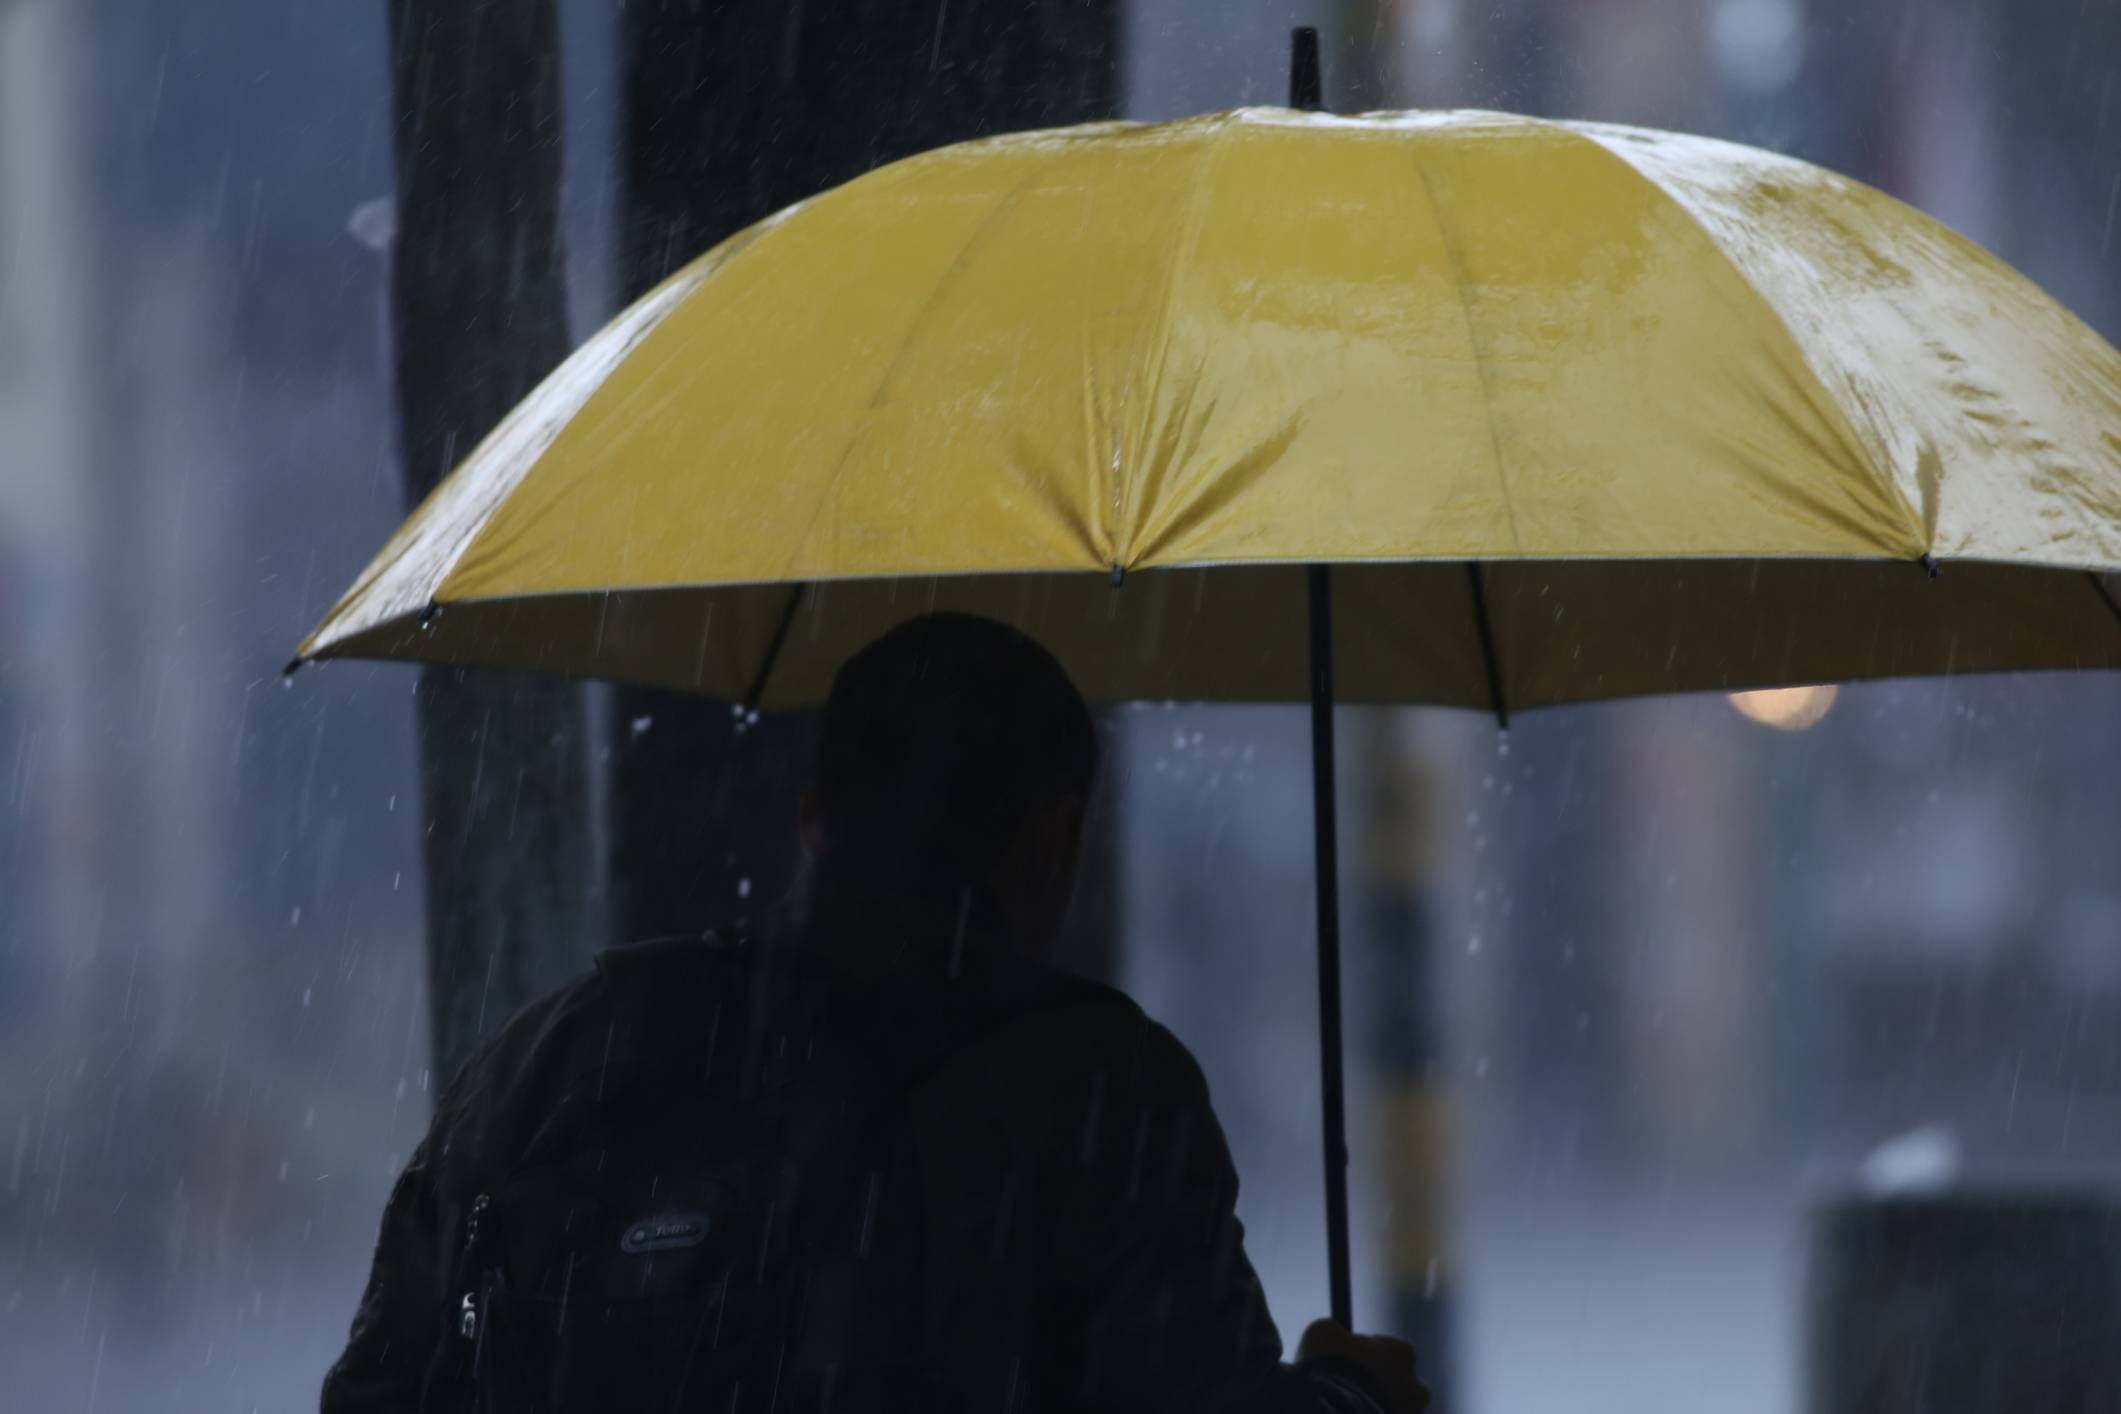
{"x":207,"y":939}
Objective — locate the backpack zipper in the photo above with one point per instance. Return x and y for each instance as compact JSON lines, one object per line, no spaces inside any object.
{"x":468,"y":1307}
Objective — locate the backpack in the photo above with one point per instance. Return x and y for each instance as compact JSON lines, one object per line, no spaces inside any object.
{"x":723,"y":1209}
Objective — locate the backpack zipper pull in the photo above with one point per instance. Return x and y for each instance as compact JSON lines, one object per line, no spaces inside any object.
{"x":468,"y":1307}
{"x":468,"y":1317}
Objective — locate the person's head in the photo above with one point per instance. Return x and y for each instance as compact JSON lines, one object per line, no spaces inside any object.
{"x":954,"y":754}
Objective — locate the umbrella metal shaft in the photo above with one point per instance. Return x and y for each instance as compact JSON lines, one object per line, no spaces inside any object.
{"x":1325,"y":835}
{"x":1307,"y":90}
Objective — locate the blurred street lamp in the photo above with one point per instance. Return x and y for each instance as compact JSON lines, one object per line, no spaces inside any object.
{"x":1789,"y":709}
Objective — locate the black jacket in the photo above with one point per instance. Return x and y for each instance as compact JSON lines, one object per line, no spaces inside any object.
{"x":1075,"y":1198}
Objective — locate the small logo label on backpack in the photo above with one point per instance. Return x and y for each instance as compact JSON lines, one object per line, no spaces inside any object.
{"x":664,"y":1233}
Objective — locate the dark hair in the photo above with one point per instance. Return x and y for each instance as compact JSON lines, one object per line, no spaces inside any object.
{"x":940,"y":737}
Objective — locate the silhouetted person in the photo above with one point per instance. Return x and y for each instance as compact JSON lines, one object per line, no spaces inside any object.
{"x":868,"y":1153}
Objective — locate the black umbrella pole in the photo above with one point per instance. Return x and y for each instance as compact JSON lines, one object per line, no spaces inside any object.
{"x":1328,"y":871}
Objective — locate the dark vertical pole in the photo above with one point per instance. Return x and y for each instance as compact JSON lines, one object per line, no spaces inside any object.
{"x":478,"y":316}
{"x":1307,"y":90}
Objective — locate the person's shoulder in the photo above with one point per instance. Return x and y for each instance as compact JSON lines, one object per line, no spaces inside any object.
{"x":531,"y":1029}
{"x":1091,"y":1030}
{"x":1090,"y":1077}
{"x":1140,"y":1053}
{"x":678,"y":950}
{"x":503,"y":1071}
{"x":653,"y":962}
{"x":617,"y":1012}
{"x":641,"y":979}
{"x":1020,"y":986}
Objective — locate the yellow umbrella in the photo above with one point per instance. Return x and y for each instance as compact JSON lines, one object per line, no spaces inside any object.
{"x":1691,"y":411}
{"x":1579,"y":411}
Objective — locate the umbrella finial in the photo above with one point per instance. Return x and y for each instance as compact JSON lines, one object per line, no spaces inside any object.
{"x":1307,"y":86}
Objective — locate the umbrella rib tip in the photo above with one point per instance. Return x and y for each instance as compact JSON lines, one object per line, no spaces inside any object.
{"x":1930,"y":566}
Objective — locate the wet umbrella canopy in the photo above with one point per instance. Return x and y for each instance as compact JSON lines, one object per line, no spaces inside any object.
{"x":1695,"y":413}
{"x":1576,"y":411}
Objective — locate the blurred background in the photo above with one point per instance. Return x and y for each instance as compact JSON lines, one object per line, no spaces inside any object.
{"x":1635,"y":989}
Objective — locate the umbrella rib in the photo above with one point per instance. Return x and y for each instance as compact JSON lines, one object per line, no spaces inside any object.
{"x":1476,"y":574}
{"x":2106,"y":595}
{"x":1134,"y":449}
{"x":1479,"y":358}
{"x":773,"y":649}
